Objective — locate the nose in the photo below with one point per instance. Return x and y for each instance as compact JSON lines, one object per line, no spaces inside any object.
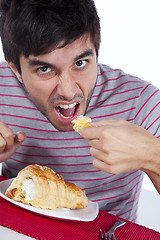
{"x":67,"y":85}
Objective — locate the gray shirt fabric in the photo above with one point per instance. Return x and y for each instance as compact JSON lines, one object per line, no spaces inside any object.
{"x":116,"y":96}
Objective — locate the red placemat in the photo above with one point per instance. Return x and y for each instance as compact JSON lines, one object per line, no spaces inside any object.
{"x":44,"y":228}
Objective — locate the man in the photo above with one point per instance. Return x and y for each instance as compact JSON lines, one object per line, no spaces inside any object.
{"x":51,"y":77}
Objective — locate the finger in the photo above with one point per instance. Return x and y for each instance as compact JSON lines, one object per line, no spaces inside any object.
{"x":101,"y":123}
{"x":109,"y":168}
{"x":102,"y":166}
{"x":18,"y":140}
{"x":98,"y":154}
{"x":6,"y":138}
{"x":19,"y":137}
{"x":90,"y":133}
{"x":2,"y":144}
{"x":113,"y":122}
{"x":100,"y":129}
{"x":95,"y":143}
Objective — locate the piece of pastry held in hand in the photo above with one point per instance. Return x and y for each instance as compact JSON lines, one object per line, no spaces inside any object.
{"x":43,"y":188}
{"x":81,"y":122}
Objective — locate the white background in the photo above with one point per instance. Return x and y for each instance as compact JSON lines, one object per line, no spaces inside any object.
{"x":131,"y":36}
{"x":130,"y":32}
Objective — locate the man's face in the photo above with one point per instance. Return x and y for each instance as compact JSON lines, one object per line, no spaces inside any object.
{"x":61,"y":82}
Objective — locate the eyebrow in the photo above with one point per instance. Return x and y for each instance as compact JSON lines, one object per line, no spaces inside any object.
{"x":86,"y":53}
{"x":35,"y":62}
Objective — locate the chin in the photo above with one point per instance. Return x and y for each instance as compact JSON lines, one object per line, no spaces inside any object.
{"x":63,"y":128}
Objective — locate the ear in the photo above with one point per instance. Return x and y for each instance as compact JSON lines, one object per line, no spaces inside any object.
{"x":14,"y":69}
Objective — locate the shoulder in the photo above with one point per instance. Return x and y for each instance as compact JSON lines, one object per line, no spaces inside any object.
{"x":5,"y":69}
{"x":118,"y":79}
{"x":7,"y":76}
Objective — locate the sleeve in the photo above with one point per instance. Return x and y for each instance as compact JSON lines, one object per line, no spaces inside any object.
{"x":148,"y":110}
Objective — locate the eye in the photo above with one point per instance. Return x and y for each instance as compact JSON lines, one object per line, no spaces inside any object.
{"x":44,"y":69}
{"x":81,"y":64}
{"x":46,"y":72}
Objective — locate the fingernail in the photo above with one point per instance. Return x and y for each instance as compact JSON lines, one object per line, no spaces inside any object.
{"x":18,"y":136}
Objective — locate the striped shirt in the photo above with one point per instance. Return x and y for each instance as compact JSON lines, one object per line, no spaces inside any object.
{"x":116,"y":96}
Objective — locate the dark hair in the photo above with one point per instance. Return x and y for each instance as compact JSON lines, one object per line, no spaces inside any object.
{"x":34,"y":26}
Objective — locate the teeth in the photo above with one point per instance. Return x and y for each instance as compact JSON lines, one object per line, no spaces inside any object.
{"x":64,"y":116}
{"x":67,"y":106}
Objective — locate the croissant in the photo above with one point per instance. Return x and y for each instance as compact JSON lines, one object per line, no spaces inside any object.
{"x":43,"y":188}
{"x":81,"y":122}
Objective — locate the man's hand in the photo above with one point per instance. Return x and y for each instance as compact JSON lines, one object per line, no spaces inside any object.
{"x":119,"y":146}
{"x":9,"y":142}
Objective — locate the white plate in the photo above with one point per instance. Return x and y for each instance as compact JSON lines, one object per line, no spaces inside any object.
{"x":86,"y":215}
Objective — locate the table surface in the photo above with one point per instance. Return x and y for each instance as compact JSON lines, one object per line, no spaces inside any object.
{"x":9,"y":234}
{"x":35,"y":225}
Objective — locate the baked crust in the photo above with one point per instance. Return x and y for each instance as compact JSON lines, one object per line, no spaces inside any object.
{"x":46,"y":188}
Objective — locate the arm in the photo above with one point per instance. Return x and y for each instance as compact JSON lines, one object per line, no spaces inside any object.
{"x":119,"y":146}
{"x":9,"y":142}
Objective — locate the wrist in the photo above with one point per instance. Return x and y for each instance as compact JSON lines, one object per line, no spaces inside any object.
{"x":152,"y":161}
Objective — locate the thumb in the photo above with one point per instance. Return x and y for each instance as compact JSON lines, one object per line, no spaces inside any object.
{"x":19,"y":139}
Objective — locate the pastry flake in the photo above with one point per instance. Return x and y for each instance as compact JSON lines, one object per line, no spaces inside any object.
{"x":80,"y":122}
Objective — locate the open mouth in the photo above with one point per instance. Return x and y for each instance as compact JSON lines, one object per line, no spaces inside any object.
{"x":67,"y":111}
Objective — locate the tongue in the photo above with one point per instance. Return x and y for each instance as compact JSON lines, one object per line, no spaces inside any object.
{"x":67,"y":112}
